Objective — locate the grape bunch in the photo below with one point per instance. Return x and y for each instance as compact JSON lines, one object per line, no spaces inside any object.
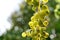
{"x":39,"y":20}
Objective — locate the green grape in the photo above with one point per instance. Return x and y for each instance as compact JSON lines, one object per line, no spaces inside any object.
{"x":35,"y":22}
{"x":31,"y":23}
{"x":43,"y":28}
{"x":57,"y":15}
{"x":30,"y":2}
{"x":23,"y":34}
{"x":57,"y":11}
{"x":44,"y":1}
{"x":28,"y":34}
{"x":45,"y":23}
{"x":58,"y":1}
{"x":44,"y":7}
{"x":33,"y":8}
{"x":36,"y":3}
{"x":37,"y":0}
{"x":46,"y":35}
{"x":33,"y":18}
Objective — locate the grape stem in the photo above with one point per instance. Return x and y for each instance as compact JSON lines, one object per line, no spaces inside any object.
{"x":39,"y":6}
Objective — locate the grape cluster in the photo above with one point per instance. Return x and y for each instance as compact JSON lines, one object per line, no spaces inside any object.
{"x":39,"y":20}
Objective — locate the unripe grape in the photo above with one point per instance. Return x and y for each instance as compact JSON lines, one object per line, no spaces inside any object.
{"x":45,"y":23}
{"x":23,"y":34}
{"x":30,"y":2}
{"x":57,"y":11}
{"x":30,"y":23}
{"x":44,"y":1}
{"x":28,"y":34}
{"x":44,"y":7}
{"x":46,"y":35}
{"x":33,"y":8}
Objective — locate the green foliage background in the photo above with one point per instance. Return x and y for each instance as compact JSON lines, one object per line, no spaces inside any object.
{"x":20,"y":19}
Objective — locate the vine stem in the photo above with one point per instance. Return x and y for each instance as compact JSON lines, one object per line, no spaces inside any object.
{"x":39,"y":6}
{"x":39,"y":11}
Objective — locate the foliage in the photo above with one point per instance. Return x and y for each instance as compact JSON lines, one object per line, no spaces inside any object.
{"x":20,"y":19}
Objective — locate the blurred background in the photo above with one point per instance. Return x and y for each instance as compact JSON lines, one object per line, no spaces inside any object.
{"x":15,"y":15}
